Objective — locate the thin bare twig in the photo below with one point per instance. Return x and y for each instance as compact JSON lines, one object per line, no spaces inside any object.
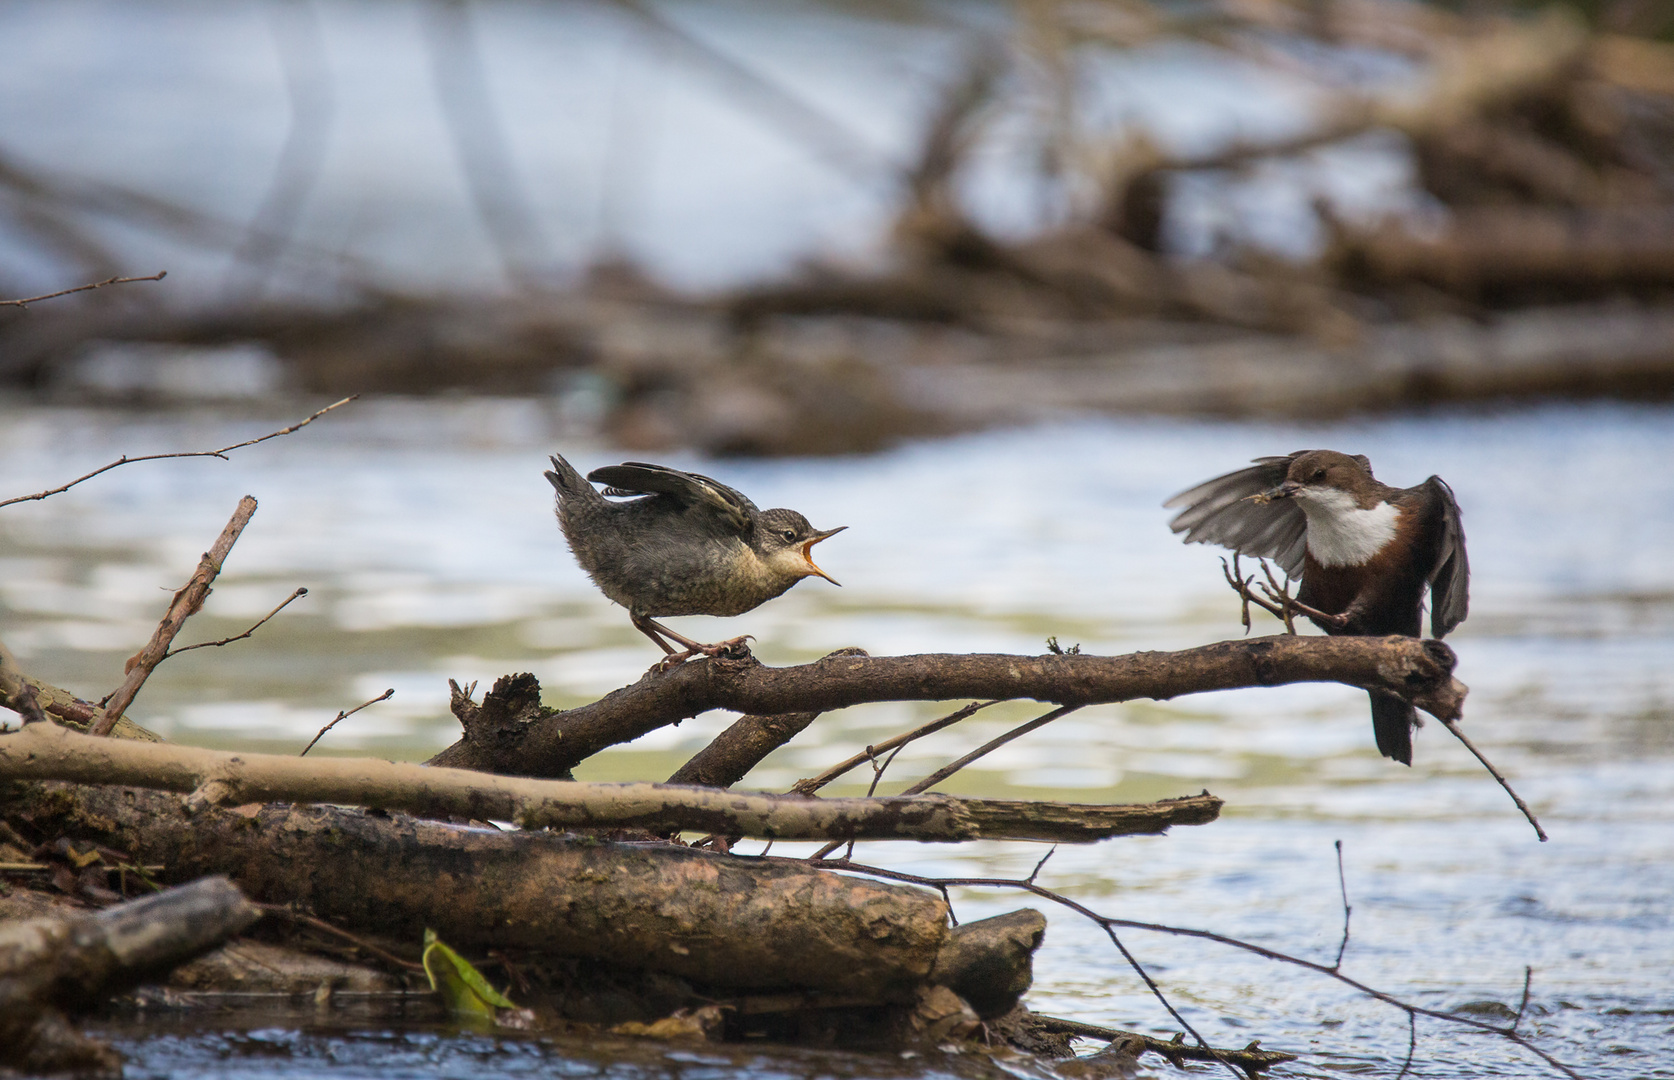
{"x":1342,"y":887}
{"x":813,"y":784}
{"x":1107,"y":922}
{"x":186,"y":603}
{"x":872,"y":789}
{"x":1412,"y":1045}
{"x":239,"y":637}
{"x":320,"y":924}
{"x":1522,"y":1006}
{"x":26,"y":301}
{"x":385,"y":696}
{"x":221,"y":453}
{"x":987,"y":748}
{"x":1453,"y":726}
{"x":1252,"y":1059}
{"x":952,"y":767}
{"x":1156,"y":991}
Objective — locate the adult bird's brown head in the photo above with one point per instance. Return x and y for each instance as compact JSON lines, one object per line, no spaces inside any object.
{"x":1366,"y":553}
{"x":680,"y":544}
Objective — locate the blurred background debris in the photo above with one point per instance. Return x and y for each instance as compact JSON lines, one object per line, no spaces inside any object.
{"x":828,"y":225}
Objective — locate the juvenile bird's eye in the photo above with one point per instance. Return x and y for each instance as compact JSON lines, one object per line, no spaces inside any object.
{"x":1319,"y":474}
{"x":789,"y":535}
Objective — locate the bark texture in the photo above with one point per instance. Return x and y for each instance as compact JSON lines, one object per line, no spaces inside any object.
{"x":56,"y":963}
{"x":990,"y":963}
{"x":45,"y":751}
{"x":718,"y":920}
{"x":551,"y":743}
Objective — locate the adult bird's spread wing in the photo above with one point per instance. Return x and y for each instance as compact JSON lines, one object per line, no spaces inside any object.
{"x":641,"y":478}
{"x":1450,"y":586}
{"x":1220,"y":511}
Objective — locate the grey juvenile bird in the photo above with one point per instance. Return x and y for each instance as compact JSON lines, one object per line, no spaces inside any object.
{"x":1365,"y":551}
{"x":689,"y":546}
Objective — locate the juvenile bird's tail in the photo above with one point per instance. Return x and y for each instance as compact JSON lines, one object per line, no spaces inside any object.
{"x":570,"y":484}
{"x":1392,"y":723}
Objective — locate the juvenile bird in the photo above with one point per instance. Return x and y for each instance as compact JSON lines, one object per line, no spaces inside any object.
{"x":1365,"y":551}
{"x":688,"y":545}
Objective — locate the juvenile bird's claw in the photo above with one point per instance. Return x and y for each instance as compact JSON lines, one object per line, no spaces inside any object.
{"x":732,"y":649}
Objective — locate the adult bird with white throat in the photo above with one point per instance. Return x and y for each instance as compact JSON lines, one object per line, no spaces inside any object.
{"x":681,"y":544}
{"x":1364,"y":551}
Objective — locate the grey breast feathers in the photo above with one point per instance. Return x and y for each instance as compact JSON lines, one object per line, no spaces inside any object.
{"x":1450,"y":584}
{"x":730,"y":508}
{"x":1220,"y":511}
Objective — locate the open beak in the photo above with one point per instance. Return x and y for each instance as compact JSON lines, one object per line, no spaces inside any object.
{"x":808,"y":547}
{"x":1283,"y":491}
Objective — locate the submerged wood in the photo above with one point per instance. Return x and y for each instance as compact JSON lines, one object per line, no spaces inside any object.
{"x":720,"y":921}
{"x":551,"y":743}
{"x":46,"y":751}
{"x":60,"y":963}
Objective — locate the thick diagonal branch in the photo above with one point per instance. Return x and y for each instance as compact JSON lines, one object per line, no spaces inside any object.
{"x":734,"y":752}
{"x":551,"y":743}
{"x":49,"y":752}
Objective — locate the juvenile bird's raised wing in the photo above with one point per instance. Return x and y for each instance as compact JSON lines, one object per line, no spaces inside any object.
{"x":690,"y":489}
{"x":1450,"y":584}
{"x":1220,"y":511}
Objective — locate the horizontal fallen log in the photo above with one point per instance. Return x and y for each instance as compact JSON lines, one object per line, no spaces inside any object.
{"x":723,"y":922}
{"x":60,"y":963}
{"x":551,"y":743}
{"x":45,"y":751}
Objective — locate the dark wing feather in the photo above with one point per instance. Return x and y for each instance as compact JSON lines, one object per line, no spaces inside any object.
{"x":1450,"y":585}
{"x":689,"y":489}
{"x":1219,"y":511}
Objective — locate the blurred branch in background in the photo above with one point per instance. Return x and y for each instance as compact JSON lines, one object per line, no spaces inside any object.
{"x":1531,"y":252}
{"x":300,"y":42}
{"x":479,"y":141}
{"x":829,"y":137}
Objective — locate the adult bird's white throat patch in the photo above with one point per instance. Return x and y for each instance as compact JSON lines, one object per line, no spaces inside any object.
{"x":1340,"y":533}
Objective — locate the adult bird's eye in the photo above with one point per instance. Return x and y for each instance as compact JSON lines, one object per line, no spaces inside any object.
{"x":789,"y":535}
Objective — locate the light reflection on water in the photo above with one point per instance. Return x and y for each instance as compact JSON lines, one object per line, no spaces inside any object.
{"x":424,"y":534}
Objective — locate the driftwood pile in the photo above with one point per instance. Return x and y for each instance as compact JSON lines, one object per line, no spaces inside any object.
{"x":607,"y":923}
{"x":588,"y":901}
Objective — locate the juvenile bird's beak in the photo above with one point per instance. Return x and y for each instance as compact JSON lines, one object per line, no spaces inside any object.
{"x":1283,"y":491}
{"x":808,"y":547}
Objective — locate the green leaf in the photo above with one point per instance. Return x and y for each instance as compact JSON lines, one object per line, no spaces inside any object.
{"x":462,"y":986}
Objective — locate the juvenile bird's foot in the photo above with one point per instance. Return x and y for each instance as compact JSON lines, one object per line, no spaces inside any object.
{"x":731,"y":649}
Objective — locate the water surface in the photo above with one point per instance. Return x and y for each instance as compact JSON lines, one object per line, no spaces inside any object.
{"x":423,"y":531}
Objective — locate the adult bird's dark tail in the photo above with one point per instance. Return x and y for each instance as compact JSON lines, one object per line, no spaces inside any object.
{"x":1392,"y":723}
